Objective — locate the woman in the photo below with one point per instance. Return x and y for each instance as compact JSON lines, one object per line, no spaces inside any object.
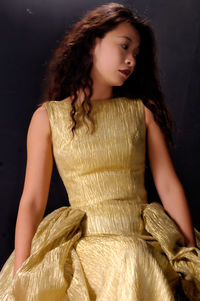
{"x":109,"y":244}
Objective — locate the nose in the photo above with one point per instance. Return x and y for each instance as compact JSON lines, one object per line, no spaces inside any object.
{"x":130,"y":61}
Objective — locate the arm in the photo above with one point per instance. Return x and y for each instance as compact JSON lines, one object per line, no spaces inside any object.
{"x":36,"y":186}
{"x":168,"y":185}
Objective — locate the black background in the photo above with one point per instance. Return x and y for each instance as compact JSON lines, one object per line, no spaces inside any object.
{"x":30,"y":31}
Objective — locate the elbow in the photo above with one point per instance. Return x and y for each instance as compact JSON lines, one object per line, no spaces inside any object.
{"x":32,"y":205}
{"x":170,"y":189}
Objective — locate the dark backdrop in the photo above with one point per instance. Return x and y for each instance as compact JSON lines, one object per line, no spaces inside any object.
{"x":31,"y":30}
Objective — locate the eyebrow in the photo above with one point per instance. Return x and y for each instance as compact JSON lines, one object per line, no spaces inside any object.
{"x":126,"y":37}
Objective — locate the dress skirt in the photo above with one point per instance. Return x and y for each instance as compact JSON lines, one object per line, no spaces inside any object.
{"x":119,"y":250}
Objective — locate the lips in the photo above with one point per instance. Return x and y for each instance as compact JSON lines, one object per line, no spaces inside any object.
{"x":126,"y":72}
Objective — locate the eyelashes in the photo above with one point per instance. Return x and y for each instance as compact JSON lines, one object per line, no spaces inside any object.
{"x":135,"y":55}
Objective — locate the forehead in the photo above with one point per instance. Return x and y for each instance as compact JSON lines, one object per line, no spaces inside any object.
{"x":126,"y":30}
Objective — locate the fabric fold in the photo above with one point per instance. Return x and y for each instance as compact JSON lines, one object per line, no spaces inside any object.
{"x":46,"y":271}
{"x":184,"y":260}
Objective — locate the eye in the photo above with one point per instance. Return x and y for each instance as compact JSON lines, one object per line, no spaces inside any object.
{"x":125,"y":46}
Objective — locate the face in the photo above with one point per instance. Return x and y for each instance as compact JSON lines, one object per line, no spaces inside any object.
{"x":116,"y":51}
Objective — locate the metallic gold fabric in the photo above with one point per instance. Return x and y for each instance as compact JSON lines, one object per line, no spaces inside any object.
{"x":109,"y":244}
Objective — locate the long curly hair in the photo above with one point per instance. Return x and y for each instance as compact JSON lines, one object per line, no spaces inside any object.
{"x":69,"y":69}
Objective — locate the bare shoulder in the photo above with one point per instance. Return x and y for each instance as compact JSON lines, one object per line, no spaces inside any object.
{"x":149,"y":118}
{"x":40,"y":121}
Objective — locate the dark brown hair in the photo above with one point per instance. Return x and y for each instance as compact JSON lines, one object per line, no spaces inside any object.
{"x":69,"y":69}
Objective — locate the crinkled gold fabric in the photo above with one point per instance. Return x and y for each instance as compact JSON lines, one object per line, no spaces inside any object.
{"x":109,"y":244}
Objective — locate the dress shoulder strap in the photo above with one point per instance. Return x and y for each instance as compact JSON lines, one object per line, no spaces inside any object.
{"x":140,"y":107}
{"x":51,"y":108}
{"x":58,"y":113}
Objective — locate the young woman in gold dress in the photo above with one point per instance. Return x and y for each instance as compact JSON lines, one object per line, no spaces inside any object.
{"x":103,"y":108}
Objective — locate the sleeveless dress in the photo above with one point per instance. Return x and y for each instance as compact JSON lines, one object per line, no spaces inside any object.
{"x":109,"y":244}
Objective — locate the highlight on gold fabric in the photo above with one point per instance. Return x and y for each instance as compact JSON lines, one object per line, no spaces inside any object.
{"x":110,"y":243}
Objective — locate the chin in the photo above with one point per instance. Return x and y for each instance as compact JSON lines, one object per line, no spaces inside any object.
{"x":119,"y":84}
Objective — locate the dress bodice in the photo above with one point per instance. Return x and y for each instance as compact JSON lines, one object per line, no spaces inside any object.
{"x":108,"y":164}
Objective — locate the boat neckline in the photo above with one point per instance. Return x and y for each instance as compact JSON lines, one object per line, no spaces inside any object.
{"x":104,"y":100}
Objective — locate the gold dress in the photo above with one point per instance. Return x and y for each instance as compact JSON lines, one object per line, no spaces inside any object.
{"x":109,"y":244}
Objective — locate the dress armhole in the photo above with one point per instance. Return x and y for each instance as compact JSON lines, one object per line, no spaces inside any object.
{"x":142,"y":110}
{"x":47,"y":106}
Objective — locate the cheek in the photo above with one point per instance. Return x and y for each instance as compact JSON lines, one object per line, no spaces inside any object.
{"x":107,"y":58}
{"x":110,"y":57}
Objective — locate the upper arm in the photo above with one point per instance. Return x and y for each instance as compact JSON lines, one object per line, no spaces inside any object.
{"x":160,"y":161}
{"x":39,"y":161}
